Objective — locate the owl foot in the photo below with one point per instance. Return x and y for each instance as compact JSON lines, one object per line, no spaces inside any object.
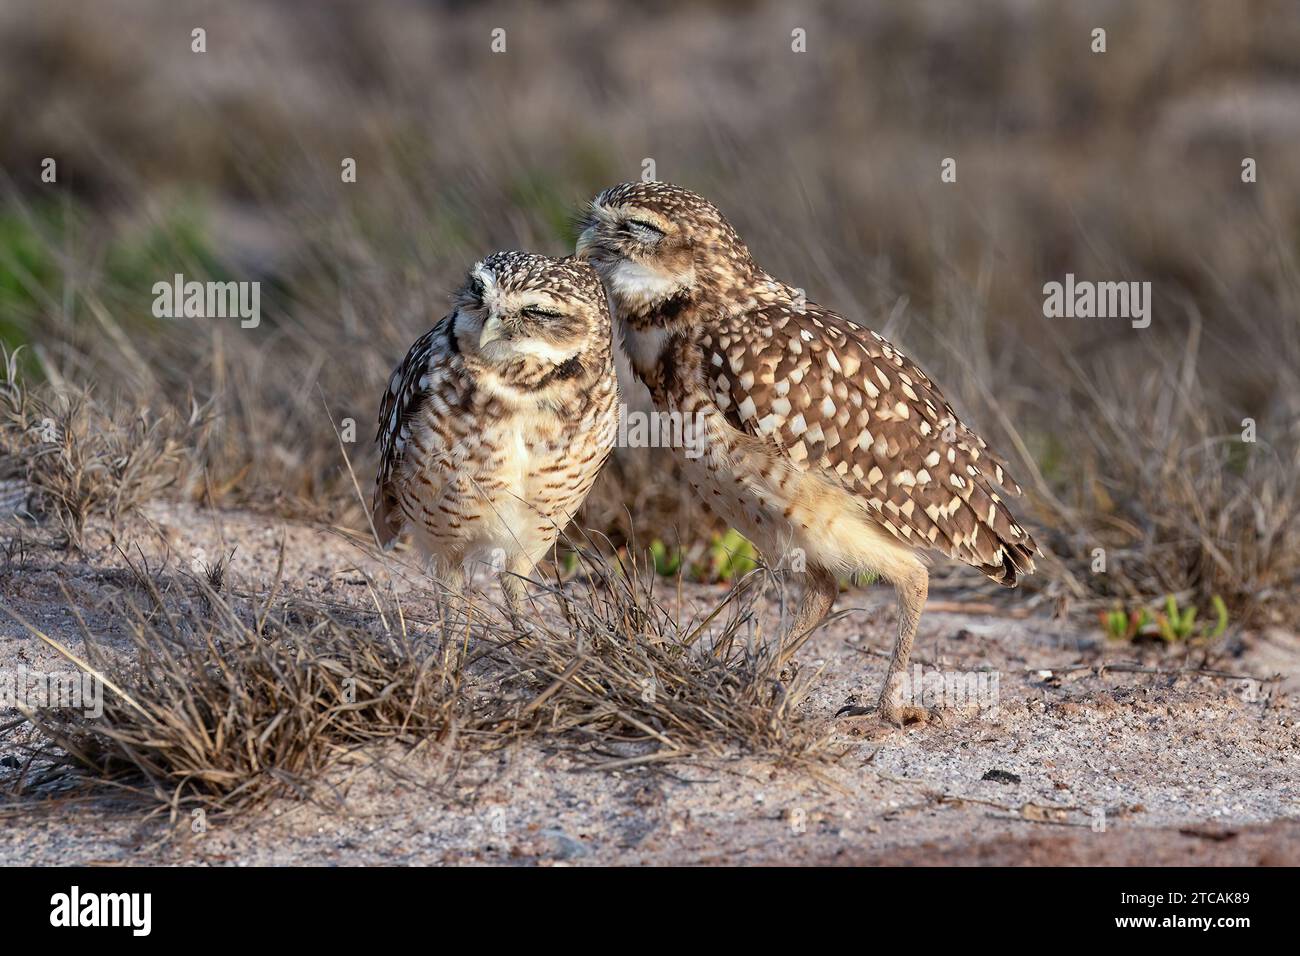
{"x":893,"y":714}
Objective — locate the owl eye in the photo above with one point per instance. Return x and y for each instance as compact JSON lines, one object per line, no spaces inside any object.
{"x":644,"y":230}
{"x":535,"y":312}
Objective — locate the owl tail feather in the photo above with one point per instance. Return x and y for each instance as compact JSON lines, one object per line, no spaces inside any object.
{"x":388,"y":520}
{"x":1017,"y":561}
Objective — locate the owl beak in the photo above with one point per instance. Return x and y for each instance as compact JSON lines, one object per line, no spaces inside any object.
{"x":491,"y":331}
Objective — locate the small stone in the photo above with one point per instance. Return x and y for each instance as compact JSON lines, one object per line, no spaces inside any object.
{"x":1001,"y":776}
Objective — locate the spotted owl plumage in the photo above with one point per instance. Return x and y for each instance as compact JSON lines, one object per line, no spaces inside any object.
{"x":840,"y":401}
{"x":497,"y":422}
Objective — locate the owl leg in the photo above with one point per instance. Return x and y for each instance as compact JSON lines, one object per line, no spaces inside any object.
{"x":452,"y":581}
{"x":912,"y":591}
{"x":820,"y":588}
{"x":514,"y":589}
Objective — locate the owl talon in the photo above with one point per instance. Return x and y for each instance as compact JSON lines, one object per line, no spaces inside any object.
{"x":855,"y":711}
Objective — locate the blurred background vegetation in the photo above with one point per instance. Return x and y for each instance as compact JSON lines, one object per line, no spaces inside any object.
{"x":1117,"y":166}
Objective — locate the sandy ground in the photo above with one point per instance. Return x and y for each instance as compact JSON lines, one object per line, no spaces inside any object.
{"x":1069,"y":767}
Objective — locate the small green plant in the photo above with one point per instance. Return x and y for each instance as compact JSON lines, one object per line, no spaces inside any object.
{"x":1121,"y":625}
{"x":731,"y":555}
{"x":1180,"y":625}
{"x":1171,"y":625}
{"x":727,"y":557}
{"x":667,"y":561}
{"x":568,"y":563}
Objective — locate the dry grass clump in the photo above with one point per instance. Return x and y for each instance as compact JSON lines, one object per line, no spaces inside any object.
{"x":1175,"y":498}
{"x":620,"y":668}
{"x":1145,"y":477}
{"x":222,"y":701}
{"x":72,"y":458}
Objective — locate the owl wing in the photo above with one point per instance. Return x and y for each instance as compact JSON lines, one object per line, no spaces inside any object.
{"x":425,"y":381}
{"x":835,"y":398}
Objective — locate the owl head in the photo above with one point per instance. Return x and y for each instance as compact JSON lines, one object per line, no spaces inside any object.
{"x":529,"y":322}
{"x":654,"y":242}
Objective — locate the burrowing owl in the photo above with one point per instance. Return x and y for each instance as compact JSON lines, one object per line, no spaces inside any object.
{"x":498,"y":420}
{"x":824,"y":444}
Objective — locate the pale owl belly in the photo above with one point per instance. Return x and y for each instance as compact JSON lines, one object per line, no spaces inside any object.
{"x":795,"y":518}
{"x":501,"y":502}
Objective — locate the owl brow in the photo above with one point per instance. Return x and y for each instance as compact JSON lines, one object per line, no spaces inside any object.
{"x":644,"y":224}
{"x":547,"y":307}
